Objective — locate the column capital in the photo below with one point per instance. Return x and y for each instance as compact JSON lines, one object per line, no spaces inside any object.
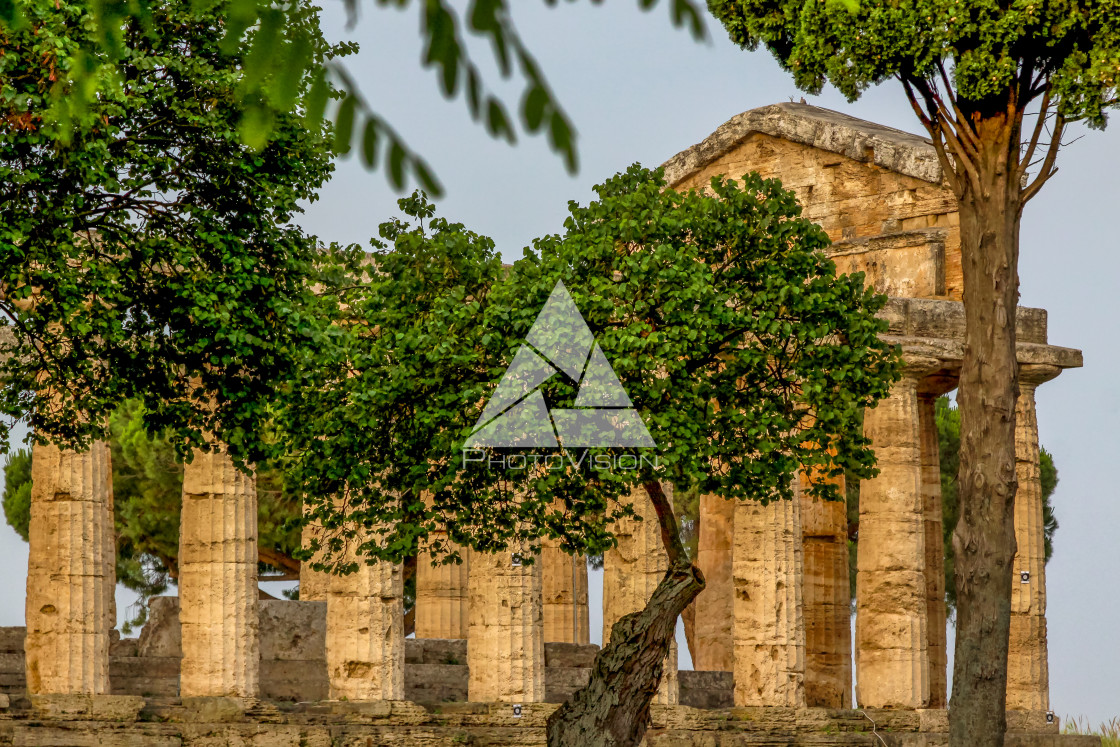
{"x":1033,"y":374}
{"x":917,"y":367}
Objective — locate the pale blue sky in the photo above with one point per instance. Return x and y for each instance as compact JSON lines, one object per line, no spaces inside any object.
{"x":639,"y":90}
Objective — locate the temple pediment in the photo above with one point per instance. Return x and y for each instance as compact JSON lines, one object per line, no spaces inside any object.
{"x":876,"y":191}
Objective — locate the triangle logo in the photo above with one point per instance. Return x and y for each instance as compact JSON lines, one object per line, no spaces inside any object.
{"x":559,"y":343}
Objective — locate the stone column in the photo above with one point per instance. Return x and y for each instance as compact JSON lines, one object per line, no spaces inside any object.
{"x":935,"y":551}
{"x":441,"y":597}
{"x":631,"y":572}
{"x":313,"y":585}
{"x":768,"y":604}
{"x":827,"y":602}
{"x":711,"y":631}
{"x":218,"y":595}
{"x":365,"y":631}
{"x":1028,"y":672}
{"x":892,"y":632}
{"x":505,"y":638}
{"x":70,"y":571}
{"x":564,"y":582}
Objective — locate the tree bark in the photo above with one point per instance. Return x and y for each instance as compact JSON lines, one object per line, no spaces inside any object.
{"x":984,"y":541}
{"x":613,"y":709}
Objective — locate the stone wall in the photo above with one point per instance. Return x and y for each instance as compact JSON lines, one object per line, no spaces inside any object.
{"x":293,"y":661}
{"x":119,"y":721}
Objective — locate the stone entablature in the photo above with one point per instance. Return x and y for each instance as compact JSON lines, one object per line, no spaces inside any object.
{"x":876,"y":191}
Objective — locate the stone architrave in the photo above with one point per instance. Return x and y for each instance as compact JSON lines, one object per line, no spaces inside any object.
{"x":632,"y":569}
{"x":365,"y":631}
{"x":218,"y":593}
{"x":935,"y":552}
{"x":564,"y":583}
{"x":768,"y":604}
{"x":1028,"y":671}
{"x":441,"y":597}
{"x":892,"y":633}
{"x":712,"y":621}
{"x":505,"y":637}
{"x":827,"y":602}
{"x":70,"y":571}
{"x":313,"y":584}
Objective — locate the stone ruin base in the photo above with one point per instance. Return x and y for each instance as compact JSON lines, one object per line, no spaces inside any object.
{"x":132,"y":721}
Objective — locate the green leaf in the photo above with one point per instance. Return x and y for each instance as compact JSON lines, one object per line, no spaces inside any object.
{"x":315,"y":105}
{"x":256,"y":127}
{"x":427,"y":179}
{"x":536,"y":100}
{"x":344,"y":124}
{"x":562,"y":138}
{"x":397,"y":157}
{"x":369,"y":143}
{"x":497,"y":123}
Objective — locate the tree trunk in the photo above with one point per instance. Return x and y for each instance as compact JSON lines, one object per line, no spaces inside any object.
{"x":984,"y":540}
{"x":613,"y":709}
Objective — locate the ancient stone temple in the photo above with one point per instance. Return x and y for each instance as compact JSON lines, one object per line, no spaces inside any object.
{"x":771,"y":633}
{"x":878,"y":193}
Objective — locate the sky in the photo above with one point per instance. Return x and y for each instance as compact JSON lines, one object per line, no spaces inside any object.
{"x":639,"y":90}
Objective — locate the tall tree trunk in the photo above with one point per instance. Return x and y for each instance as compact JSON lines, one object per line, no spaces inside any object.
{"x":984,"y":540}
{"x":613,"y":709}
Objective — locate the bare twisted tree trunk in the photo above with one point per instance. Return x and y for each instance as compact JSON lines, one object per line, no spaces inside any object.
{"x":613,"y":709}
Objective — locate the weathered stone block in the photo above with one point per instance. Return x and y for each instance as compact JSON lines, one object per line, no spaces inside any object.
{"x":435,"y":683}
{"x":570,"y":654}
{"x":294,"y":631}
{"x":11,"y":639}
{"x":560,"y":683}
{"x":436,"y":650}
{"x":214,"y":709}
{"x":707,"y":689}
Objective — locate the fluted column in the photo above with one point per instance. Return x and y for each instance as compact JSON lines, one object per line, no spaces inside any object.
{"x":1028,"y":672}
{"x":218,"y":595}
{"x":768,"y":604}
{"x":711,"y":633}
{"x":564,"y":582}
{"x":935,"y":551}
{"x":365,"y":631}
{"x":827,"y":602}
{"x":505,"y":638}
{"x":313,"y":584}
{"x":631,"y":572}
{"x":892,"y":618}
{"x":441,"y":597}
{"x":70,"y":571}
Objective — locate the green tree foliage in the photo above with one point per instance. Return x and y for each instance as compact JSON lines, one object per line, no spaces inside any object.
{"x":744,"y":353}
{"x":148,"y":247}
{"x":975,"y":73}
{"x":17,"y":491}
{"x":279,"y":51}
